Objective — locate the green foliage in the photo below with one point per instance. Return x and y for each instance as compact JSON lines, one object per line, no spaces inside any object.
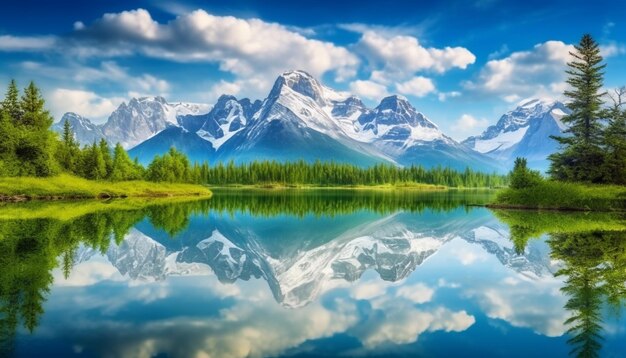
{"x":173,"y":166}
{"x":594,"y":267}
{"x":615,"y":140}
{"x":123,"y":168}
{"x":331,"y":202}
{"x":581,"y":156}
{"x":565,"y":196}
{"x":336,"y":174}
{"x":74,"y":187}
{"x":68,"y":151}
{"x":525,"y":225}
{"x":28,"y":144}
{"x":591,"y":153}
{"x":522,"y":177}
{"x":93,"y":164}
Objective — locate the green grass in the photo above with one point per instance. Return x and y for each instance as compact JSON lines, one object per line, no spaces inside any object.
{"x":553,"y":195}
{"x":71,"y":187}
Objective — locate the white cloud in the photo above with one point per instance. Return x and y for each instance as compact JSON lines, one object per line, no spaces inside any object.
{"x":537,"y":72}
{"x":86,"y":103}
{"x":400,"y":323}
{"x":444,"y":96}
{"x":368,"y":89}
{"x":404,"y":54}
{"x":253,"y":50}
{"x":418,"y":293}
{"x":26,"y":43}
{"x":612,"y":49}
{"x":106,"y":72}
{"x":417,"y":86}
{"x":464,"y":127}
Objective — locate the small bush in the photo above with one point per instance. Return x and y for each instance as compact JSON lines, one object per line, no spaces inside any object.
{"x":522,"y":177}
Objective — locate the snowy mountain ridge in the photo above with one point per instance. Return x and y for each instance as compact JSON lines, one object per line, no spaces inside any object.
{"x":523,"y":132}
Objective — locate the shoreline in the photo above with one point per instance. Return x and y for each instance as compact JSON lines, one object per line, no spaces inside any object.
{"x":71,"y":188}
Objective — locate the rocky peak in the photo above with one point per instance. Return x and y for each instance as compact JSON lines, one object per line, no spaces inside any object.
{"x":300,"y":82}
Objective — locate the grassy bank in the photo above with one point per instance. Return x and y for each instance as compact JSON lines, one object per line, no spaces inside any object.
{"x":71,"y":187}
{"x":552,"y":195}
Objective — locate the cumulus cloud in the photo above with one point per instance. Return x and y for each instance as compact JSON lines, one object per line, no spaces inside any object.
{"x":368,"y":89}
{"x":465,"y":126}
{"x":525,"y":73}
{"x":87,"y":103}
{"x":404,"y":54}
{"x":394,"y":60}
{"x":539,"y":71}
{"x":417,"y":86}
{"x":253,"y":50}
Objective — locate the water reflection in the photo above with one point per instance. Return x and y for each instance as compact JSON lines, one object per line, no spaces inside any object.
{"x":420,"y":273}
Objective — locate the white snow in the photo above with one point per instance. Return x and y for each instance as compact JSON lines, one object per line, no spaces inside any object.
{"x":503,"y":141}
{"x":235,"y":112}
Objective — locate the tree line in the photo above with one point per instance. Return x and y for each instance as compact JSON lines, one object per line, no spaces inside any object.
{"x":331,"y":173}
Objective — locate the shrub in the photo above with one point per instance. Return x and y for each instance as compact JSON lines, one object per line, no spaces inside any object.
{"x":522,"y":177}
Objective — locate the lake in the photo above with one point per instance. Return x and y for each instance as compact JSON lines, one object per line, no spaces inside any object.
{"x":310,"y":273}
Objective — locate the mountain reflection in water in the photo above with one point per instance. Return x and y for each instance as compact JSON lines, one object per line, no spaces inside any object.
{"x":310,"y":273}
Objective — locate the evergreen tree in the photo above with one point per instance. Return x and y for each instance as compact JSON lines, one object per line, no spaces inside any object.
{"x":581,"y":155}
{"x":615,"y":140}
{"x":68,"y":151}
{"x":11,"y":103}
{"x":94,"y":166}
{"x":106,"y":157}
{"x":522,"y":177}
{"x":123,"y":167}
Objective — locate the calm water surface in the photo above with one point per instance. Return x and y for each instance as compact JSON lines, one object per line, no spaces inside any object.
{"x":309,"y":274}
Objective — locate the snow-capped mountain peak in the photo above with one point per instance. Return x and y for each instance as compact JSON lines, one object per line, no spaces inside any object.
{"x":523,"y":131}
{"x":302,"y":83}
{"x":226,"y":118}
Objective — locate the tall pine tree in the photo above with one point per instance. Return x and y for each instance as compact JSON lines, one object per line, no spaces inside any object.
{"x":68,"y":151}
{"x":581,"y":156}
{"x":11,"y":103}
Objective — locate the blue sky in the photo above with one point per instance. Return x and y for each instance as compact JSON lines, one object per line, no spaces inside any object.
{"x":462,"y":63}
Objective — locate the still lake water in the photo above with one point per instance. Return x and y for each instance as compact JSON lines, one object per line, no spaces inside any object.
{"x":310,"y":274}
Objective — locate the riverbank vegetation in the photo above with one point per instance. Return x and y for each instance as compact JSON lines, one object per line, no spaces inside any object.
{"x":66,"y":186}
{"x":589,"y":170}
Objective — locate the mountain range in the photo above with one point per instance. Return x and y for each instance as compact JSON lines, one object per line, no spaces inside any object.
{"x":303,"y":119}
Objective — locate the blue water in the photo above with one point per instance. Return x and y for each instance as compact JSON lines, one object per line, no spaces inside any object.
{"x":433,"y":282}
